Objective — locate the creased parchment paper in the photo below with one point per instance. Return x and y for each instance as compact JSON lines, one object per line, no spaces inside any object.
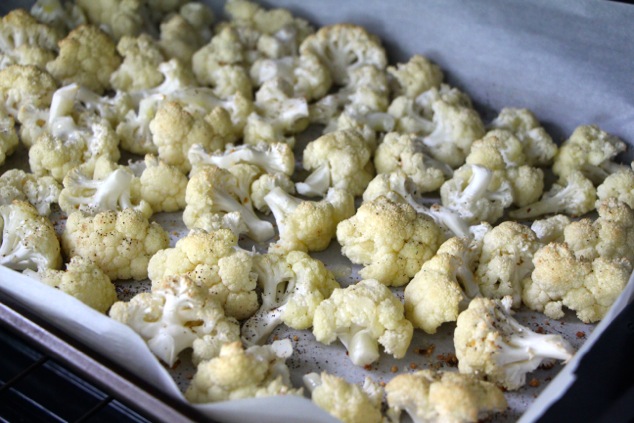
{"x":570,"y":62}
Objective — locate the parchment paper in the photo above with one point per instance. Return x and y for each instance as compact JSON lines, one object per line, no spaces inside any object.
{"x":568,"y":61}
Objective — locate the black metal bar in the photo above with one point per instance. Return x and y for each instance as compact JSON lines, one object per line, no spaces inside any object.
{"x":94,"y":410}
{"x":15,"y":379}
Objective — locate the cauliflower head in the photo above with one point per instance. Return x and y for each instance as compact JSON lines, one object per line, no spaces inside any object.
{"x":389,"y":239}
{"x":119,"y":242}
{"x":362,"y":316}
{"x":41,"y":192}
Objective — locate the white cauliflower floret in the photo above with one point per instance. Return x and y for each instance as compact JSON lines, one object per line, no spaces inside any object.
{"x":9,"y":139}
{"x":574,"y":195}
{"x":539,"y":148}
{"x":444,"y":284}
{"x":119,"y":242}
{"x":29,"y":240}
{"x":88,"y":57}
{"x":139,"y":69}
{"x":83,"y":280}
{"x":306,"y":225}
{"x":221,"y":64}
{"x":348,"y":402}
{"x":587,"y":270}
{"x":455,"y":125}
{"x":407,"y":153}
{"x":24,"y":86}
{"x":162,"y":186}
{"x":343,"y":48}
{"x":104,"y":186}
{"x":117,"y":17}
{"x":211,"y":259}
{"x":591,"y":151}
{"x":550,"y":229}
{"x":292,"y":287}
{"x":271,"y":158}
{"x":340,"y":159}
{"x":449,"y":397}
{"x":177,"y":315}
{"x":389,"y":239}
{"x":213,"y":190}
{"x":499,"y":150}
{"x":255,"y":372}
{"x":489,"y":341}
{"x":25,"y":41}
{"x":267,"y":183}
{"x":477,"y":194}
{"x":187,"y":31}
{"x":397,"y":186}
{"x":619,"y":185}
{"x":41,"y":192}
{"x":175,"y":130}
{"x":417,"y":75}
{"x":277,"y":113}
{"x":362,"y":316}
{"x":62,"y":16}
{"x":506,"y":260}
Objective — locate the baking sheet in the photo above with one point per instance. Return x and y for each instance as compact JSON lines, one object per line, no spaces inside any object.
{"x":570,"y":62}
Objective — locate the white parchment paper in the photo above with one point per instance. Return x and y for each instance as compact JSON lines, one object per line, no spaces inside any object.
{"x":568,"y":61}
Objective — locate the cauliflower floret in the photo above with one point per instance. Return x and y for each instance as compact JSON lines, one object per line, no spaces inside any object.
{"x":619,"y":185}
{"x":591,"y":151}
{"x":306,"y":225}
{"x":161,"y":185}
{"x":267,"y":183}
{"x":22,"y":86}
{"x":88,"y":57}
{"x":449,"y":397}
{"x":61,"y":16}
{"x":73,"y":144}
{"x":416,"y":76}
{"x":292,"y":287}
{"x":347,"y":402}
{"x":104,"y":186}
{"x":83,"y":280}
{"x":444,"y":284}
{"x":41,"y":192}
{"x":362,"y":316}
{"x":270,"y":158}
{"x":25,"y":41}
{"x":340,"y":159}
{"x":550,"y":229}
{"x":344,"y":47}
{"x":186,"y":32}
{"x":539,"y":148}
{"x":489,"y":341}
{"x":500,"y":151}
{"x":221,"y":64}
{"x":506,"y":260}
{"x":211,"y":259}
{"x":139,"y":69}
{"x":213,"y":190}
{"x":258,"y":371}
{"x":175,"y":130}
{"x":28,"y":239}
{"x":119,"y":242}
{"x":177,"y":315}
{"x":9,"y":139}
{"x":117,"y":17}
{"x":455,"y":125}
{"x":405,"y":152}
{"x":277,"y":113}
{"x":477,"y":194}
{"x":574,"y":195}
{"x":397,"y":186}
{"x":389,"y":239}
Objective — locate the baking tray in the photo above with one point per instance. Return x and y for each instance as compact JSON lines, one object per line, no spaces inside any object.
{"x":570,"y":62}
